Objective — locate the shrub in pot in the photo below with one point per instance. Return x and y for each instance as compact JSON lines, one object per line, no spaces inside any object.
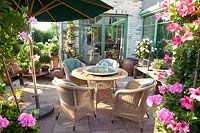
{"x":53,"y":49}
{"x":45,"y":60}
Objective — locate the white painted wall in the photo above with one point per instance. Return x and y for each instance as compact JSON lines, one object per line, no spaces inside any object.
{"x":132,"y":8}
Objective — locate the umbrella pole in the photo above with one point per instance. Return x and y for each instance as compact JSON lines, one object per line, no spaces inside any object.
{"x":34,"y":76}
{"x":10,"y":83}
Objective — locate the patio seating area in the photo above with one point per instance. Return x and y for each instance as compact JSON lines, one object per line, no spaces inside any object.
{"x":88,"y":124}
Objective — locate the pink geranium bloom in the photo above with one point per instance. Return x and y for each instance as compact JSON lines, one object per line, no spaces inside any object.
{"x":177,"y":40}
{"x":183,"y":127}
{"x":185,"y":28}
{"x":36,"y":57}
{"x":165,"y":116}
{"x":186,"y":102}
{"x":177,"y":87}
{"x":3,"y":122}
{"x":26,"y":120}
{"x":23,"y":36}
{"x":167,"y":58}
{"x":156,"y":99}
{"x":187,"y":36}
{"x":32,"y":20}
{"x":158,"y":16}
{"x":195,"y":93}
{"x":173,"y":27}
{"x":166,"y":16}
{"x":162,"y":89}
{"x":173,"y":125}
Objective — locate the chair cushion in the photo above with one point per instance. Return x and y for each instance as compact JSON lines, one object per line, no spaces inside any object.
{"x":147,"y":82}
{"x":61,"y":82}
{"x":71,"y":64}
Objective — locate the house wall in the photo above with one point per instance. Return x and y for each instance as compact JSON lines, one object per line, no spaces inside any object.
{"x":148,"y":3}
{"x":132,"y":8}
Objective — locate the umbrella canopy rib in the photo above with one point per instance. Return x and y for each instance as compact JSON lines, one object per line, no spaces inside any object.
{"x":17,"y":4}
{"x":93,"y":3}
{"x":76,"y":10}
{"x":48,"y":12}
{"x":30,"y":10}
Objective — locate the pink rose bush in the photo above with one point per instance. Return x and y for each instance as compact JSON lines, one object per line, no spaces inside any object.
{"x":179,"y":110}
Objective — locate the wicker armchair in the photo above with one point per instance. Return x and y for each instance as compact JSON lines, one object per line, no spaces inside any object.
{"x":71,"y":64}
{"x":130,"y":103}
{"x":75,"y":101}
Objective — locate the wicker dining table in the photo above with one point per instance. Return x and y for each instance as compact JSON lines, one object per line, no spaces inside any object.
{"x":79,"y":73}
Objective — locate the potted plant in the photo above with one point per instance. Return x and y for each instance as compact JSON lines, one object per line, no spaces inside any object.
{"x":37,"y":67}
{"x":143,"y":49}
{"x":53,"y":49}
{"x":45,"y":60}
{"x":159,"y":64}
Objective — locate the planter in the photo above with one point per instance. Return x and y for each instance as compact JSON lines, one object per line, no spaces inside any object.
{"x":45,"y":68}
{"x":128,"y":64}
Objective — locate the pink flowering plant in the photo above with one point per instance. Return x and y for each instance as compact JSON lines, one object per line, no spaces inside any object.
{"x":179,"y":110}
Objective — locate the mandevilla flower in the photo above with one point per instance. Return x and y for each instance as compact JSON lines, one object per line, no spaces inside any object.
{"x":183,"y":127}
{"x":185,"y":8}
{"x":173,"y":125}
{"x":177,"y":40}
{"x":167,"y":58}
{"x":195,"y":93}
{"x":11,"y":99}
{"x":32,"y":20}
{"x":165,"y":116}
{"x":186,"y":102}
{"x":173,"y":27}
{"x":187,"y":36}
{"x":156,"y":99}
{"x":177,"y":87}
{"x":3,"y":122}
{"x":26,"y":120}
{"x":158,"y":16}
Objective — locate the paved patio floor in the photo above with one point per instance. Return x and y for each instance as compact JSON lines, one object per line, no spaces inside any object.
{"x":89,"y":124}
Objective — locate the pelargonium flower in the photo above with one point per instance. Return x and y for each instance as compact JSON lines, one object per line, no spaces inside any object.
{"x":183,"y":127}
{"x":186,"y":102}
{"x":177,"y":87}
{"x":26,"y":120}
{"x":167,"y":58}
{"x":162,"y":75}
{"x":36,"y":57}
{"x":156,"y":99}
{"x":3,"y":122}
{"x":165,"y":116}
{"x":197,"y":22}
{"x":187,"y":36}
{"x":177,"y":40}
{"x":173,"y":125}
{"x":195,"y":93}
{"x":162,"y":89}
{"x":32,"y":20}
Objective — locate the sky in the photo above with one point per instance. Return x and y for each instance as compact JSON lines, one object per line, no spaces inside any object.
{"x":43,"y":25}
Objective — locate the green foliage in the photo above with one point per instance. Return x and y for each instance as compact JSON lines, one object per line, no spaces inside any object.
{"x":10,"y":111}
{"x":53,"y":48}
{"x":143,"y":48}
{"x":159,"y":64}
{"x":24,"y":55}
{"x":37,"y":65}
{"x":45,"y":58}
{"x":2,"y":87}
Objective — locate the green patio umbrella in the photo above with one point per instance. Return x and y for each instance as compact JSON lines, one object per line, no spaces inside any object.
{"x":57,"y":11}
{"x":62,"y":10}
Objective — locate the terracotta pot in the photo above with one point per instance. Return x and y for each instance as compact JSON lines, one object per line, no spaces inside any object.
{"x":128,"y":65}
